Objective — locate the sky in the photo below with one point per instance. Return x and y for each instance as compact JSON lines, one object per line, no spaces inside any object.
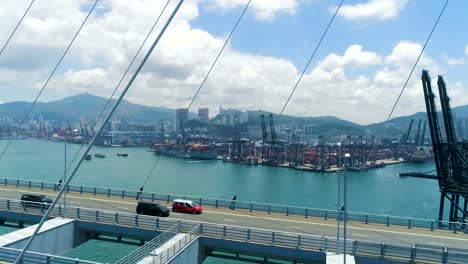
{"x":356,"y":74}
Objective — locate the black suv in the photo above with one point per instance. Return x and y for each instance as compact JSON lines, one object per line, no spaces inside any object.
{"x":149,"y":208}
{"x":35,"y":200}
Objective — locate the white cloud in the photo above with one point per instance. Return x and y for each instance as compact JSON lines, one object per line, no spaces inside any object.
{"x":354,"y":56}
{"x":240,"y":79}
{"x":466,"y":50}
{"x":453,"y":61}
{"x":405,"y":53}
{"x":373,"y":9}
{"x":264,"y":9}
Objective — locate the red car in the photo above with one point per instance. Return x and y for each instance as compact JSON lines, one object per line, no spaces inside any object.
{"x":186,"y":206}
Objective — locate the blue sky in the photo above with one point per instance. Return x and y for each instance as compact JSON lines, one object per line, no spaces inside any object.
{"x":360,"y":66}
{"x":294,"y":37}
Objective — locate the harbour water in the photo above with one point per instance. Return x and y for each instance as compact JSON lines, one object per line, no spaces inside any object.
{"x":102,"y":250}
{"x":5,"y":229}
{"x":379,"y":191}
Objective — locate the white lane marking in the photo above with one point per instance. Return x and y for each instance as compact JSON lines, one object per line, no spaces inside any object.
{"x":74,"y":202}
{"x":285,"y":220}
{"x":353,"y":227}
{"x":360,"y":235}
{"x":124,"y":208}
{"x":230,"y":220}
{"x":294,"y":227}
{"x":436,"y":244}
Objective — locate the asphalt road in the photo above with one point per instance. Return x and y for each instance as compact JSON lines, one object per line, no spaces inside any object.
{"x":278,"y":222}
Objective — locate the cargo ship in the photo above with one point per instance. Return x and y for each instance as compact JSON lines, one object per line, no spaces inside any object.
{"x":202,"y":151}
{"x":421,"y":155}
{"x":188,"y":151}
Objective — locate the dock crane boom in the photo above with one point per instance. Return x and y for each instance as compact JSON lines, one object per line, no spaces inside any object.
{"x":423,"y":134}
{"x":184,"y":136}
{"x":272,"y":159}
{"x":406,"y":136}
{"x":264,"y":136}
{"x":264,"y":130}
{"x":416,"y":138}
{"x":450,"y":156}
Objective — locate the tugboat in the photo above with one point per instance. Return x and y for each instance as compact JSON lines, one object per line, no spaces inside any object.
{"x":101,"y":156}
{"x":122,"y":154}
{"x":88,"y":157}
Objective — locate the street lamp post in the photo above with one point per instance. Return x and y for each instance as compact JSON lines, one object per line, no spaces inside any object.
{"x":345,"y":211}
{"x":65,"y":176}
{"x":339,"y":202}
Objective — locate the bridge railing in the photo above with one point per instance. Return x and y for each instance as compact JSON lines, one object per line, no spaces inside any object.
{"x":150,"y":247}
{"x":170,"y":253}
{"x":306,"y":212}
{"x":9,"y":255}
{"x":420,"y":253}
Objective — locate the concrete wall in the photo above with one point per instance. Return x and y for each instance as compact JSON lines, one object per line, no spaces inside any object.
{"x":291,"y":254}
{"x":56,"y":237}
{"x":365,"y":260}
{"x":190,"y":255}
{"x":89,"y":230}
{"x":20,"y":217}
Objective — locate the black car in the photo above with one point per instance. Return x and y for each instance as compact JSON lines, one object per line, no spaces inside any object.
{"x":150,"y":208}
{"x":35,"y":200}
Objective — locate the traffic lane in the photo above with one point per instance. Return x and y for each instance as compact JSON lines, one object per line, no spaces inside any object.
{"x":105,"y":199}
{"x":355,"y":231}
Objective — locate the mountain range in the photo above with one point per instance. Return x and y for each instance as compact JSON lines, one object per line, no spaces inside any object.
{"x":88,"y":106}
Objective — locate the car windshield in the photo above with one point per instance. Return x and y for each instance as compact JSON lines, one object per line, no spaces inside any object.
{"x":192,"y":204}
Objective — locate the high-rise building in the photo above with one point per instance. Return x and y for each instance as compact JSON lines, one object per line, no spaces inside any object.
{"x":311,"y":130}
{"x":204,"y":114}
{"x":181,"y":117}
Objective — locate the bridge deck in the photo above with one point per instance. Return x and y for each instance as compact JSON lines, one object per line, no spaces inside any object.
{"x":273,"y":221}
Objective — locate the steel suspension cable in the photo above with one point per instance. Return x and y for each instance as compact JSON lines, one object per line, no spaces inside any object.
{"x":382,"y":129}
{"x":16,"y":27}
{"x":114,"y":107}
{"x":48,"y":79}
{"x":122,"y":78}
{"x":312,"y":56}
{"x":203,"y":82}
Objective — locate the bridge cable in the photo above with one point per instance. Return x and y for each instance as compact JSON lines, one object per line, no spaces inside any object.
{"x":312,"y":56}
{"x":121,"y":79}
{"x":202,"y":84}
{"x":405,"y":84}
{"x":16,"y":27}
{"x":28,"y":112}
{"x":91,"y":143}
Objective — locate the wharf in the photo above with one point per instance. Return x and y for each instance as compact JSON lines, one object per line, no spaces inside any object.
{"x":418,"y":175}
{"x":314,"y":168}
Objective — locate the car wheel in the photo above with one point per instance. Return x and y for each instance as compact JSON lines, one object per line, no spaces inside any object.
{"x":173,"y":209}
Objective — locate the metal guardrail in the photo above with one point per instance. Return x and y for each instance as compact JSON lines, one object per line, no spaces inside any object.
{"x":149,"y":247}
{"x":254,"y":235}
{"x":307,"y":212}
{"x":9,"y":255}
{"x":170,"y":253}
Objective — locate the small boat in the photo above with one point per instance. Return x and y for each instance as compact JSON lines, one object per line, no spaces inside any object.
{"x":122,"y":154}
{"x":88,"y":157}
{"x":99,"y":155}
